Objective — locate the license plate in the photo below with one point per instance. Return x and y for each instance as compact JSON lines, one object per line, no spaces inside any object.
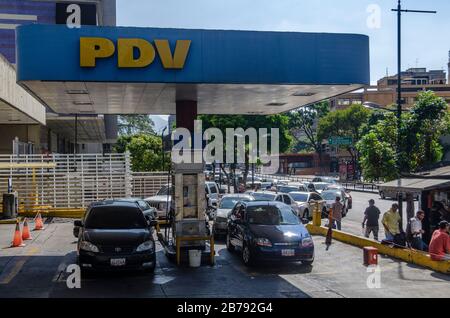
{"x":118,"y":262}
{"x":287,"y":253}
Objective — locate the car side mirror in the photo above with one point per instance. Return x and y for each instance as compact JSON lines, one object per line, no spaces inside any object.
{"x":78,"y":223}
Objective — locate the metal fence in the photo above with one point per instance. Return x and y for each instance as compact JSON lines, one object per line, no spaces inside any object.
{"x":66,"y":181}
{"x":147,"y":184}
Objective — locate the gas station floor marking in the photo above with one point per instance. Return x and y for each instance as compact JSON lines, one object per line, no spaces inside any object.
{"x":8,"y":275}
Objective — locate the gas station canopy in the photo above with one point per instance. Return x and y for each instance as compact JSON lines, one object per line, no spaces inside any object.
{"x":118,"y":70}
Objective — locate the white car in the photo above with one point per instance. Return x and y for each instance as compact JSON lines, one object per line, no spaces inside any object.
{"x":330,"y":197}
{"x":306,"y":202}
{"x":292,"y":187}
{"x":273,"y":196}
{"x":226,"y":204}
{"x":318,"y":186}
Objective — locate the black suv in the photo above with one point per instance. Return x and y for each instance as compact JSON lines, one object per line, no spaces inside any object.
{"x":116,"y":235}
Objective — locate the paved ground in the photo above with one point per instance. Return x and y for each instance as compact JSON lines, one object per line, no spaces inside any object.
{"x":352,"y":223}
{"x":38,"y":270}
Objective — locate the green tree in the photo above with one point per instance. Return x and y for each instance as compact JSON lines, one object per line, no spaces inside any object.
{"x":223,"y":122}
{"x":421,"y":130}
{"x":303,"y":122}
{"x":135,"y":124}
{"x":145,"y":152}
{"x":345,"y":123}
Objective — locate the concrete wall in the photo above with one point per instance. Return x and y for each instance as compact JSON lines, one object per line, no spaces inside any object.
{"x":25,"y":133}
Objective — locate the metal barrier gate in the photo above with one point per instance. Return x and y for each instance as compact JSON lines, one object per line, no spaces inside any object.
{"x":73,"y":182}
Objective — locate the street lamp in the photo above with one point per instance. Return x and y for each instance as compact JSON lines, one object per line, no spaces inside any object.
{"x":399,"y":11}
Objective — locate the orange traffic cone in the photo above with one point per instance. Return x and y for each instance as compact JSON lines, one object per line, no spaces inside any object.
{"x":38,"y":223}
{"x":26,"y":231}
{"x":17,"y":240}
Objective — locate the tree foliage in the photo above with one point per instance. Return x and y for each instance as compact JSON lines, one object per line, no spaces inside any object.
{"x":303,"y":122}
{"x":419,"y":147}
{"x":145,"y":152}
{"x":135,"y":124}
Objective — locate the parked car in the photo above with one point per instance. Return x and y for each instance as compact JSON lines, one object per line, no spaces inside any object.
{"x":346,"y":192}
{"x":330,"y":197}
{"x":393,"y":194}
{"x":306,"y":202}
{"x":268,"y":231}
{"x":149,"y":211}
{"x":226,"y":204}
{"x":116,"y":235}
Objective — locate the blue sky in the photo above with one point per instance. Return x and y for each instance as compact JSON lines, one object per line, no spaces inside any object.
{"x":425,"y":37}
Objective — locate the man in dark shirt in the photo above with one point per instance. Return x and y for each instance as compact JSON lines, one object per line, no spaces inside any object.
{"x":370,"y":222}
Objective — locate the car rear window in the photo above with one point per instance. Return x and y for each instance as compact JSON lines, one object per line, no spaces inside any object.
{"x":264,"y":196}
{"x":271,"y":215}
{"x":115,"y":218}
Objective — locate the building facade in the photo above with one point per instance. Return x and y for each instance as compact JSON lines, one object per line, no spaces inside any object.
{"x":27,"y":126}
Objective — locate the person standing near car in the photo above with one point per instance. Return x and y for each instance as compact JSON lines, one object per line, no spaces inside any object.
{"x":370,"y":222}
{"x":337,"y":208}
{"x":417,"y":232}
{"x":440,"y":243}
{"x":391,"y":222}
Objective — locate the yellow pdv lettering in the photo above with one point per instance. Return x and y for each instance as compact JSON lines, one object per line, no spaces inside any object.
{"x":179,"y":57}
{"x":93,"y":48}
{"x":126,"y":49}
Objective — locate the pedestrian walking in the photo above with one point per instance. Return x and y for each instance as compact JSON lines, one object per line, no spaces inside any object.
{"x":391,"y":223}
{"x":337,"y":209}
{"x":417,"y":232}
{"x":371,"y":220}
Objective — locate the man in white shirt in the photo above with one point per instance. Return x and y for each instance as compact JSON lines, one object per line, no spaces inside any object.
{"x":417,"y":232}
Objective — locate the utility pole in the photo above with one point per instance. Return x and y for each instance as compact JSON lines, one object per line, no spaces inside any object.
{"x":163,"y":159}
{"x":399,"y":11}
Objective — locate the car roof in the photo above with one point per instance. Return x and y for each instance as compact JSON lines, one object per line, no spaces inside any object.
{"x":237,"y":195}
{"x":111,"y":203}
{"x":301,"y":192}
{"x":263,"y":203}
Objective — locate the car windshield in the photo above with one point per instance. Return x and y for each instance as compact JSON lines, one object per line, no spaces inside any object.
{"x":115,"y":218}
{"x":285,"y":189}
{"x":330,"y":195}
{"x":165,"y":190}
{"x":320,"y":186}
{"x":299,"y":197}
{"x":271,"y":215}
{"x":229,"y":203}
{"x":263,"y":196}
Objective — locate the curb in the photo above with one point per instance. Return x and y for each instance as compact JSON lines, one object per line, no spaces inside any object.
{"x":66,"y":214}
{"x":407,"y":255}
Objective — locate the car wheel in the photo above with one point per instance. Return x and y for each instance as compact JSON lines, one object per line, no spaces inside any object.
{"x":306,"y":214}
{"x":230,"y":246}
{"x":382,"y":195}
{"x":151,"y":269}
{"x":308,"y":263}
{"x":247,"y":256}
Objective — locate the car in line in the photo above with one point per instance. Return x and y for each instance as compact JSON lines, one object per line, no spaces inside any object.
{"x":317,"y":186}
{"x":331,"y":180}
{"x":330,"y":197}
{"x":292,"y":187}
{"x":345,"y":191}
{"x":273,"y":196}
{"x":226,"y":204}
{"x":115,"y":235}
{"x":307,"y":202}
{"x":268,"y":231}
{"x":162,"y":201}
{"x":148,"y":211}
